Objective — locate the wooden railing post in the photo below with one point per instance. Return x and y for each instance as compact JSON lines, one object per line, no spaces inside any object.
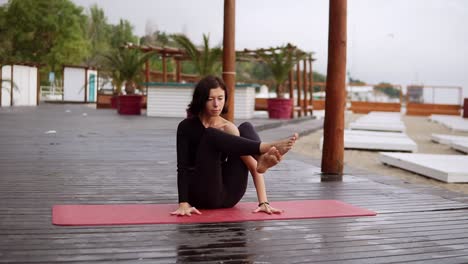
{"x":229,"y":54}
{"x":298,"y":85}
{"x":291,"y":89}
{"x":311,"y":84}
{"x":164,"y":68}
{"x":333,"y":140}
{"x":304,"y":85}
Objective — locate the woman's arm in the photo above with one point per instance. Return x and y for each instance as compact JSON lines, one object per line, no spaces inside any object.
{"x":260,"y":187}
{"x":183,"y":161}
{"x":183,"y":170}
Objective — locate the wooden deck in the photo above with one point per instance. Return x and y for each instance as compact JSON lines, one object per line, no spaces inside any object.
{"x":104,"y":158}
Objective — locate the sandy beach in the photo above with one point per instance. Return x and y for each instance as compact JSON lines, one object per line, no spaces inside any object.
{"x":417,"y":128}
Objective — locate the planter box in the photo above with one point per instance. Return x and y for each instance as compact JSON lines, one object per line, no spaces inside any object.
{"x":172,"y":99}
{"x":129,"y":104}
{"x":279,"y":108}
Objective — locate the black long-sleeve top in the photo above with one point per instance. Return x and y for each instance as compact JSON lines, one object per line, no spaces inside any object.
{"x":189,"y":133}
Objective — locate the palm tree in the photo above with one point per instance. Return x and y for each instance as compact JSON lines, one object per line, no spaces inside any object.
{"x":280,"y":61}
{"x":98,"y":32}
{"x":207,"y":60}
{"x":126,"y":66}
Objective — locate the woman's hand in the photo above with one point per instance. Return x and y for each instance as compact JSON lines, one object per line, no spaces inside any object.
{"x":185,"y":209}
{"x":268,"y":209}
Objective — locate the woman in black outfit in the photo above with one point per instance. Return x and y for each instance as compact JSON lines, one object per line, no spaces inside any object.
{"x":214,"y":156}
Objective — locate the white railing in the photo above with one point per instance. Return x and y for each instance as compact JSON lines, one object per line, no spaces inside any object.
{"x":51,"y":93}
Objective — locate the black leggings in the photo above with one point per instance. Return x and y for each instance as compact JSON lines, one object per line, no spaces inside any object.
{"x":221,"y":184}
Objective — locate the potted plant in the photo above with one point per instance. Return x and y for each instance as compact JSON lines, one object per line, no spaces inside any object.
{"x":125,"y":67}
{"x":280,"y":61}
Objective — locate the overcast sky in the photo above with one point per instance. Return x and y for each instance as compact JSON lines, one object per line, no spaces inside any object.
{"x":397,"y":41}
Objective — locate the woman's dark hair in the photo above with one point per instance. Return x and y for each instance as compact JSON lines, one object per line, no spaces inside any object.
{"x":202,"y":92}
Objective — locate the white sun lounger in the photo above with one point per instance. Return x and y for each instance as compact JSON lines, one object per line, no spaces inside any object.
{"x":459,"y":143}
{"x":379,"y":121}
{"x":372,"y":140}
{"x":447,"y":139}
{"x":455,"y":123}
{"x":447,"y":168}
{"x":460,"y":146}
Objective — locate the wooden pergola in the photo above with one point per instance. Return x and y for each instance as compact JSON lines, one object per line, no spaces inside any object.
{"x":303,"y":82}
{"x":178,"y":55}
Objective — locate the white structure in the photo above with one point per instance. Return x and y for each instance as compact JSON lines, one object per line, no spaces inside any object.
{"x":379,"y":121}
{"x":79,"y":84}
{"x":447,"y":168}
{"x":25,"y":85}
{"x":459,"y":143}
{"x":461,"y":146}
{"x":455,"y":123}
{"x":373,"y":140}
{"x":367,"y":93}
{"x":447,"y":139}
{"x":172,"y":99}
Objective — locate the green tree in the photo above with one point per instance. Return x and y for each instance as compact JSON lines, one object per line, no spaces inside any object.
{"x":388,"y":89}
{"x":5,"y":43}
{"x":51,"y":32}
{"x":206,"y":60}
{"x":98,"y":34}
{"x":122,"y":34}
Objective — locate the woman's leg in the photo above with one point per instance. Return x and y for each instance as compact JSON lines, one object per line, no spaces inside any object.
{"x":235,"y":172}
{"x":208,"y":186}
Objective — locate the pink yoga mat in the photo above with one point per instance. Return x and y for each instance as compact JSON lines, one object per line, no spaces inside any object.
{"x":133,"y":214}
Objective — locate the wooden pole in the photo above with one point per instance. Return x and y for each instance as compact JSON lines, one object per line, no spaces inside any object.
{"x":291,"y":89}
{"x":38,"y":85}
{"x":311,"y":83}
{"x":333,"y":139}
{"x":11,"y":85}
{"x":178,"y":71}
{"x":229,"y":54}
{"x":304,"y":85}
{"x":298,"y":82}
{"x":147,"y":72}
{"x":1,"y":83}
{"x":86,"y":86}
{"x":164,"y":68}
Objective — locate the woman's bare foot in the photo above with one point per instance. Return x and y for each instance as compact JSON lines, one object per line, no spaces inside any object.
{"x":283,"y":146}
{"x":268,"y":160}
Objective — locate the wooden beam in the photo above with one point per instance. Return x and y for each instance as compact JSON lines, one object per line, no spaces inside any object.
{"x":178,"y":71}
{"x":229,"y":54}
{"x":1,"y":83}
{"x":291,"y":89}
{"x":304,"y":85}
{"x":298,"y":82}
{"x":164,"y":69}
{"x":311,"y":86}
{"x":147,"y":72}
{"x":333,"y":139}
{"x":11,"y":85}
{"x":38,"y":85}
{"x":86,"y":86}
